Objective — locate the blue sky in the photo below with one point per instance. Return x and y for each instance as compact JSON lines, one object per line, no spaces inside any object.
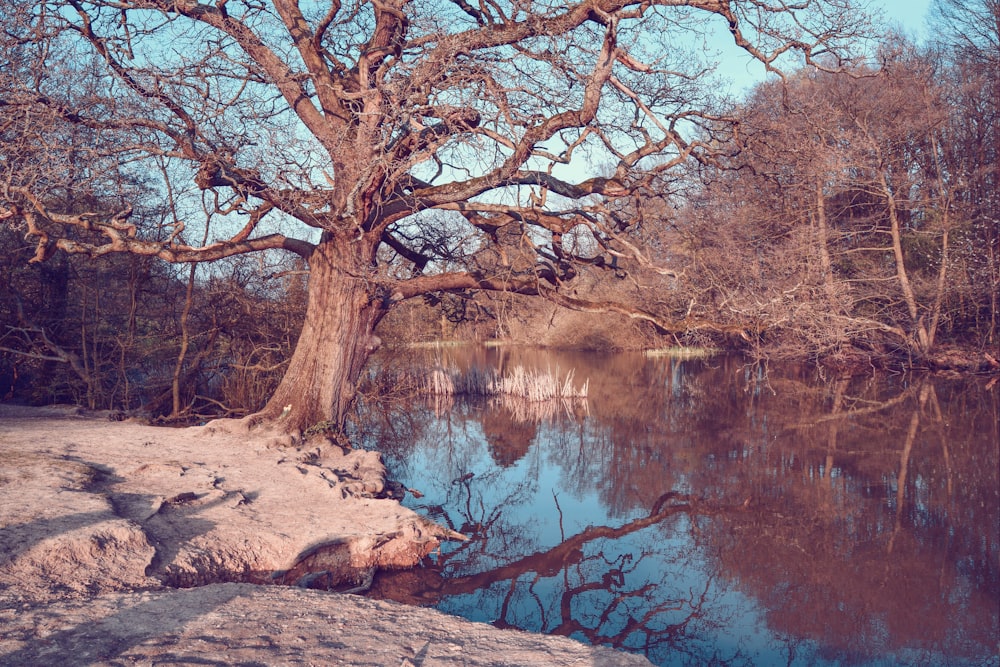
{"x":910,"y":14}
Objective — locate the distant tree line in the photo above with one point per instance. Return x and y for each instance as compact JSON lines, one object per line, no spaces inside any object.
{"x":859,"y":211}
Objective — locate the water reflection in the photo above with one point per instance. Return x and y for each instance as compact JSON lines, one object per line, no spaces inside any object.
{"x":714,"y":512}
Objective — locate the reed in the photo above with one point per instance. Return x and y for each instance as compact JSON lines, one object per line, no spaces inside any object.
{"x":523,"y":411}
{"x":521,"y":382}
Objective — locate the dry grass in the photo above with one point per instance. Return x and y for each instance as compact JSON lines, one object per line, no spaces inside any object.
{"x":682,"y":352}
{"x":437,"y":344}
{"x":528,"y":384}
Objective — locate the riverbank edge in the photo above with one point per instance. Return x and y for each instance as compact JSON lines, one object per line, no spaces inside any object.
{"x":127,"y":543}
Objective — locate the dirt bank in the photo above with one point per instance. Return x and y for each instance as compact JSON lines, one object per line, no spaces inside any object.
{"x":114,"y":538}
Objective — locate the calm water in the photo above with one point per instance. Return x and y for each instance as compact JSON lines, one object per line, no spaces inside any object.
{"x":711,"y":512}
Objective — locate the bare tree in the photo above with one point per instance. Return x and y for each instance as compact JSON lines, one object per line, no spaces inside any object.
{"x":361,"y":126}
{"x":967,"y":34}
{"x":850,"y":219}
{"x":972,"y":28}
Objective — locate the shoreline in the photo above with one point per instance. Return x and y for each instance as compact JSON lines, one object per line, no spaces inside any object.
{"x":140,"y":541}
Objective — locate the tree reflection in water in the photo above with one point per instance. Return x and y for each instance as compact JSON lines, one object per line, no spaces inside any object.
{"x":715,"y":513}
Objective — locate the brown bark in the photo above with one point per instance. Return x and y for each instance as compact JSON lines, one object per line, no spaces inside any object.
{"x":344,"y":306}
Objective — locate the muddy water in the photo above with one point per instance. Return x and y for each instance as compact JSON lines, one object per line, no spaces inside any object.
{"x":713,"y":512}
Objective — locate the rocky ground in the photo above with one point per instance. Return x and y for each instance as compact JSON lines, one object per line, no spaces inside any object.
{"x":122,"y":543}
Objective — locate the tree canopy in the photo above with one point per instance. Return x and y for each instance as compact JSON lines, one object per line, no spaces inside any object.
{"x":381,"y":141}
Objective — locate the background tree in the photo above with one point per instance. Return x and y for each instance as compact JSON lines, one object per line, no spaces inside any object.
{"x":349,"y":123}
{"x":967,"y":38}
{"x":845,"y":221}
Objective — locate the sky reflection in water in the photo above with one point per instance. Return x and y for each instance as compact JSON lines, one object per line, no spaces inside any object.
{"x":713,"y":513}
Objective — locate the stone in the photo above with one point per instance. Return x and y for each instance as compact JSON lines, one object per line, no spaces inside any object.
{"x":124,"y":543}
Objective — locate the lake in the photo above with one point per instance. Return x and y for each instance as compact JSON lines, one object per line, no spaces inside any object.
{"x":710,"y":511}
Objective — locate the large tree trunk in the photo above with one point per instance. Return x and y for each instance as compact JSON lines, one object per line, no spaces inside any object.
{"x":319,"y":387}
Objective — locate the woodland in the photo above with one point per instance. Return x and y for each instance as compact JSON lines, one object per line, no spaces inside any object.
{"x":224,"y":209}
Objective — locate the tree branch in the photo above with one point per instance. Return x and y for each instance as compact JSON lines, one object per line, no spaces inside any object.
{"x":531,"y":285}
